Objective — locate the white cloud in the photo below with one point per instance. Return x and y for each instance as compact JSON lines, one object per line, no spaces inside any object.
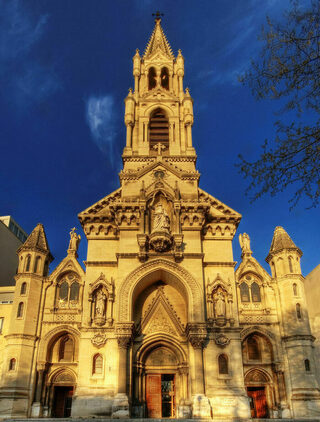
{"x":101,"y":120}
{"x":25,"y":78}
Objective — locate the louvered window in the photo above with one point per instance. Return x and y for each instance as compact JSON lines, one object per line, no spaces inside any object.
{"x":158,"y":129}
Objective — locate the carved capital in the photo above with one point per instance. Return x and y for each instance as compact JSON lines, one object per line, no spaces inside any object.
{"x":124,"y":334}
{"x":197,"y":334}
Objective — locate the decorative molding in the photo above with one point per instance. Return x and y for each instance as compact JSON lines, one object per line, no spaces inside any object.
{"x":222,"y":340}
{"x":99,"y":339}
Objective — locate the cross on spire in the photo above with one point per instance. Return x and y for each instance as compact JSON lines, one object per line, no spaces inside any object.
{"x":158,"y":15}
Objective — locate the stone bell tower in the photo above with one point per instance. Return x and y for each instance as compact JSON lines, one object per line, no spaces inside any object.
{"x":167,"y":245}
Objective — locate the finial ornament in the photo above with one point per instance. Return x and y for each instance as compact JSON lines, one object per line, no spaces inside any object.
{"x":74,"y":240}
{"x":244,"y":241}
{"x":158,"y":15}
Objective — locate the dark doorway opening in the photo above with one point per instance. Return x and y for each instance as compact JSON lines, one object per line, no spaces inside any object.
{"x":258,"y":402}
{"x":62,"y":402}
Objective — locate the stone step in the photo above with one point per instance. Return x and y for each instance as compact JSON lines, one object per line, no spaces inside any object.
{"x":102,"y":419}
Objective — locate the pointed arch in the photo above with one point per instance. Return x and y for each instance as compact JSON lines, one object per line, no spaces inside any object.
{"x":168,"y":271}
{"x":164,"y":77}
{"x":46,"y":343}
{"x":152,"y":78}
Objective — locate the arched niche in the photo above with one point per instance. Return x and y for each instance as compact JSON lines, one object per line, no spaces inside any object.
{"x":168,"y":272}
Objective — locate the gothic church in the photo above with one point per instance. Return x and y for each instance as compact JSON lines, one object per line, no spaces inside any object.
{"x":160,"y":324}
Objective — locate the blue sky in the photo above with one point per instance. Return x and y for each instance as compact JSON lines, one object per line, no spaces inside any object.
{"x":65,"y":68}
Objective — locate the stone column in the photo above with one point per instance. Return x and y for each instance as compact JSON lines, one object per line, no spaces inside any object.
{"x":129,"y":135}
{"x":36,"y":409}
{"x":197,"y":335}
{"x":120,"y":407}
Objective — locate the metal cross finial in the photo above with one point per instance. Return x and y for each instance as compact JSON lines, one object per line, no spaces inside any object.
{"x":158,"y":15}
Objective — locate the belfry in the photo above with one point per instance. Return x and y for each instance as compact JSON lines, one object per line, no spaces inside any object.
{"x":160,"y":324}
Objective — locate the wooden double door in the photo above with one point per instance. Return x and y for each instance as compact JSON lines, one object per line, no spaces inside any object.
{"x":62,"y":401}
{"x":258,"y":402}
{"x":160,"y":395}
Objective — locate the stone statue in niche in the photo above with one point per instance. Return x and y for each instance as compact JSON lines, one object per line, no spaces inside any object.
{"x":100,"y":304}
{"x":219,"y":301}
{"x":161,"y":221}
{"x":74,"y":240}
{"x":244,"y":241}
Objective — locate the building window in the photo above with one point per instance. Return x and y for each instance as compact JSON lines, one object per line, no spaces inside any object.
{"x":28,"y":262}
{"x":295,"y":289}
{"x":164,"y":78}
{"x":274,"y":273}
{"x":74,"y":291}
{"x":290,"y":264}
{"x":12,"y":364}
{"x":307,"y":365}
{"x":37,"y":264}
{"x":223,"y":365}
{"x":244,"y":292}
{"x":255,"y":292}
{"x":152,"y":78}
{"x":298,"y":311}
{"x":46,"y":268}
{"x":23,"y":289}
{"x":97,"y":364}
{"x":1,"y":324}
{"x":253,"y":349}
{"x":66,"y":349}
{"x":68,"y":291}
{"x":20,"y":310}
{"x":64,"y":291}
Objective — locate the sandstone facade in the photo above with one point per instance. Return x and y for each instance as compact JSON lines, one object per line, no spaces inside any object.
{"x":160,"y":324}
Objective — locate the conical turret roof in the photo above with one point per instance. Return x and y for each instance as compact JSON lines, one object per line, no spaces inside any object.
{"x":158,"y":41}
{"x":37,"y":240}
{"x":280,"y":241}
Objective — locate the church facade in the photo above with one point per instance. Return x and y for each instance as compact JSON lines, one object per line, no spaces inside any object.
{"x":160,"y":324}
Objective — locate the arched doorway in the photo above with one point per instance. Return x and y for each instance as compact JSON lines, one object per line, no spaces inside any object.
{"x":59,"y":373}
{"x":62,"y":389}
{"x":161,"y":379}
{"x":259,"y":390}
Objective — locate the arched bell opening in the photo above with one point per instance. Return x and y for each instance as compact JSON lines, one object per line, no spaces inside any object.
{"x":160,"y":373}
{"x":164,"y":78}
{"x":159,"y":131}
{"x":152,"y":78}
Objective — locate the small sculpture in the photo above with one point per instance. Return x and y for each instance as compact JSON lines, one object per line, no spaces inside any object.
{"x":74,"y":240}
{"x":244,"y":241}
{"x":161,"y":221}
{"x":100,"y":303}
{"x":219,"y":304}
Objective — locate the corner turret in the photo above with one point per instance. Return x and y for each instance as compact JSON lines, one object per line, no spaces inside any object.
{"x":284,"y":256}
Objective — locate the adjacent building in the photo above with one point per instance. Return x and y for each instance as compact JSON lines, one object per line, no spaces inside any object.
{"x":160,"y":324}
{"x":11,"y":237}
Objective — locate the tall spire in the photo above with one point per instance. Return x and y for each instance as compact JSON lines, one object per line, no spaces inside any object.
{"x":158,"y":40}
